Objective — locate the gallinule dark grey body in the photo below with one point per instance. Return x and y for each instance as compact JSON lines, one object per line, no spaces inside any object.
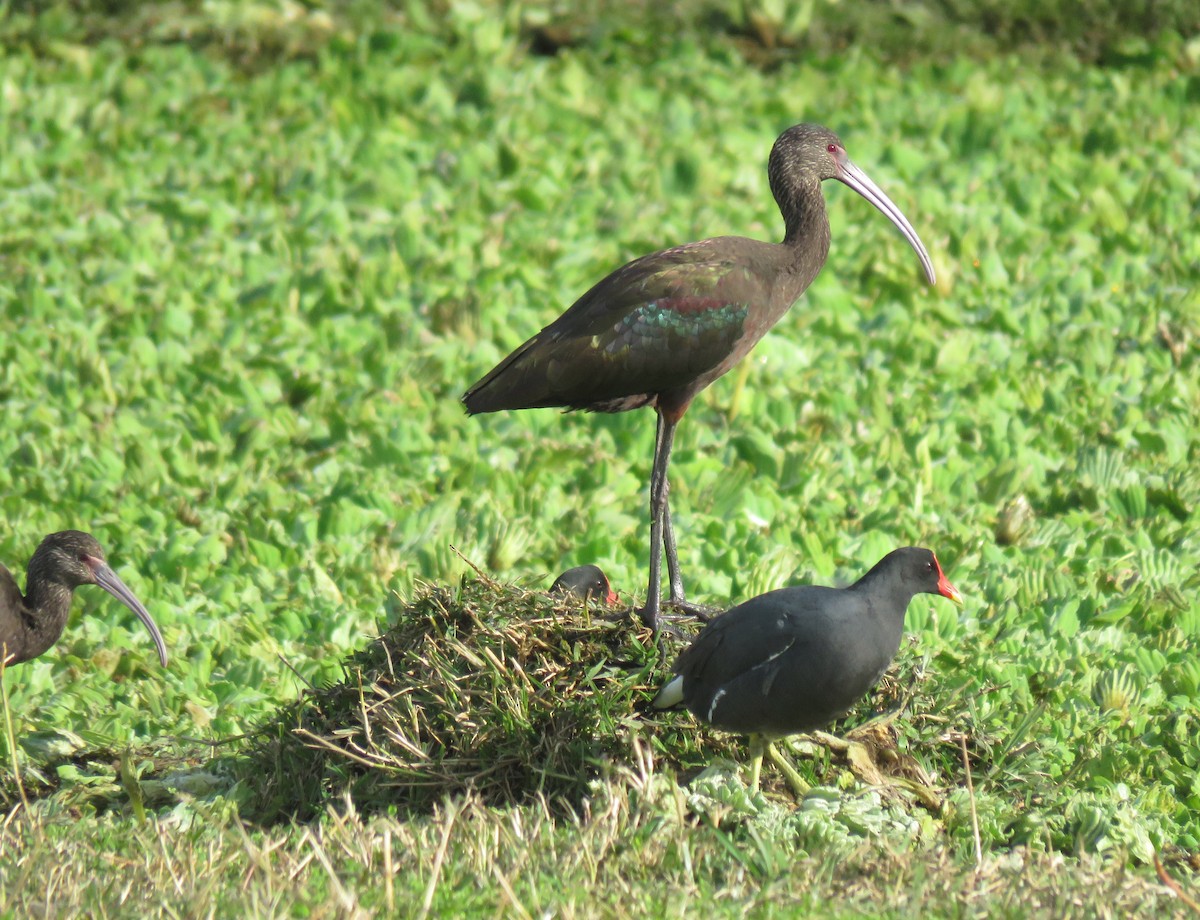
{"x":795,"y":659}
{"x":660,"y":329}
{"x":31,"y":623}
{"x":584,"y":582}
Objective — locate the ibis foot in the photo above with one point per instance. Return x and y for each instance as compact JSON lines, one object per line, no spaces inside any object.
{"x":697,"y":611}
{"x":657,"y":622}
{"x":652,"y":617}
{"x":647,"y":615}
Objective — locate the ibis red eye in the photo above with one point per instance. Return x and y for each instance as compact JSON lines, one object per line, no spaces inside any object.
{"x":832,"y":148}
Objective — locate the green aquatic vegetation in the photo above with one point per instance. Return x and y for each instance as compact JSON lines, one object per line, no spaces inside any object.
{"x":247,"y":267}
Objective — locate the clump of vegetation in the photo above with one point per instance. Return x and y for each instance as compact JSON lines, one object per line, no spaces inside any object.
{"x":492,"y":689}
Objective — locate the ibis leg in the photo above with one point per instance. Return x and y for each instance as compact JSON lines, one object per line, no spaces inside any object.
{"x":677,"y":595}
{"x":663,"y":439}
{"x":678,"y":600}
{"x":662,"y":534}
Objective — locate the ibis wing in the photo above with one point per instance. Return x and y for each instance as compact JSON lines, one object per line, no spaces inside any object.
{"x":660,"y":323}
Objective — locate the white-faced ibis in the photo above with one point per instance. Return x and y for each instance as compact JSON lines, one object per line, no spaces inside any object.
{"x":31,"y":623}
{"x":795,"y":659}
{"x":584,"y":582}
{"x":663,"y":327}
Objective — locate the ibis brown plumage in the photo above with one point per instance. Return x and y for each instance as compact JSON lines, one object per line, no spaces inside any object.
{"x":32,"y":622}
{"x":795,"y":659}
{"x":660,"y":329}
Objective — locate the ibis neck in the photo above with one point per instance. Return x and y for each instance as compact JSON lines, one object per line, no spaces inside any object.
{"x":47,"y":606}
{"x":806,"y":232}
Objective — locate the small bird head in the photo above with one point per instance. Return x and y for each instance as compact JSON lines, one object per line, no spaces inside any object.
{"x":923,"y":572}
{"x":585,"y":582}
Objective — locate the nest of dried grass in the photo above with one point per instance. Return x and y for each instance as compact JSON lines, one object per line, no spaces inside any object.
{"x":504,"y":692}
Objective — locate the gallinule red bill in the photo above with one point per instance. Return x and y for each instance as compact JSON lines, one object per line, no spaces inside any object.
{"x":660,"y":329}
{"x":793,"y":660}
{"x":584,"y":582}
{"x":31,"y":623}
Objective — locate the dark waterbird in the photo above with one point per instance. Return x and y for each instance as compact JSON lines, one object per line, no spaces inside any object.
{"x":793,"y":660}
{"x":660,"y":329}
{"x":31,"y":623}
{"x":584,"y":582}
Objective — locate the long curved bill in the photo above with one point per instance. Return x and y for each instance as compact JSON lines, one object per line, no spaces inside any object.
{"x":107,"y":579}
{"x":858,"y":180}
